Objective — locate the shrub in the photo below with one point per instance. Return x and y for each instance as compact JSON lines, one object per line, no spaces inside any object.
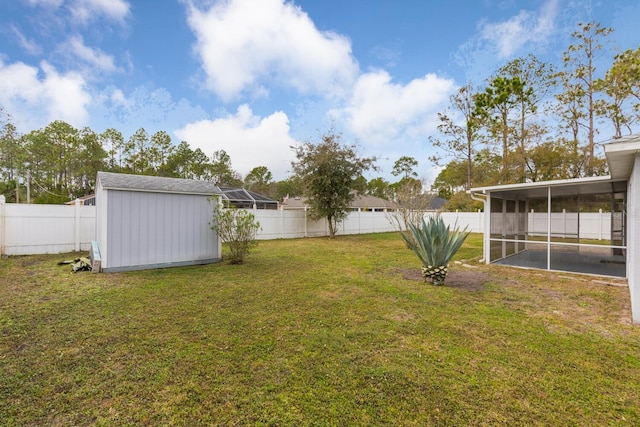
{"x":435,"y":244}
{"x":238,"y":228}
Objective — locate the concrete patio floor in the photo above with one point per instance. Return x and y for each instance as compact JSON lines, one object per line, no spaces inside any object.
{"x":569,"y":261}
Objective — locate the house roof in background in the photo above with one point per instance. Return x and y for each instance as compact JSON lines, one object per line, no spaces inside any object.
{"x":362,"y":201}
{"x":121,"y":181}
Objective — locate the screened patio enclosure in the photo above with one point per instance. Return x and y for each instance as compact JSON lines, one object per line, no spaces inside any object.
{"x":569,"y":225}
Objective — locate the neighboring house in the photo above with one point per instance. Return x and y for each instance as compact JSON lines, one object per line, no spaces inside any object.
{"x":538,"y":224}
{"x":361,"y":202}
{"x":365,"y":203}
{"x":437,"y":203}
{"x":88,"y":200}
{"x":145,"y":222}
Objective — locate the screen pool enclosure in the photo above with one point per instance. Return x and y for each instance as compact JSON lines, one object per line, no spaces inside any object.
{"x":572,"y":225}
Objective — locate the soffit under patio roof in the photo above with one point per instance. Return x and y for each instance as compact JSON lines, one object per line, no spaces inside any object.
{"x":621,"y":154}
{"x":559,"y":188}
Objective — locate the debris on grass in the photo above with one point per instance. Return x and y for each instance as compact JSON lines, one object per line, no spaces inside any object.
{"x":78,"y":264}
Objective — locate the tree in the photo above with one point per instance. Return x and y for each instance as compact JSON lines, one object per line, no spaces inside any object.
{"x":494,"y":106}
{"x":221,"y":171}
{"x":411,"y":205}
{"x":379,"y":187}
{"x":90,"y":158}
{"x":577,"y":101}
{"x":260,"y":180}
{"x":404,"y":167}
{"x":537,"y":78}
{"x":459,"y":127}
{"x":290,"y":187}
{"x":462,"y":201}
{"x":52,"y":159}
{"x":621,"y":85}
{"x":451,"y":179}
{"x":159,"y":152}
{"x":12,"y":157}
{"x":328,"y":170}
{"x":113,"y":143}
{"x":138,"y":155}
{"x":237,"y":227}
{"x":183,"y":162}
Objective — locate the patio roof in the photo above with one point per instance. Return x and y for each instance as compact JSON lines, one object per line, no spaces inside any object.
{"x":562,"y":187}
{"x":620,"y":154}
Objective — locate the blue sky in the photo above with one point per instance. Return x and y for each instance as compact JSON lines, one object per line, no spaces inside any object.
{"x":254,"y":77}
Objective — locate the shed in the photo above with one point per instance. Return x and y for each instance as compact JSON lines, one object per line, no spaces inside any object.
{"x":546,"y":225}
{"x":145,"y":222}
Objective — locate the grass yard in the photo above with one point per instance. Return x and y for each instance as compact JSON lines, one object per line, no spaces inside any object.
{"x":314,"y":332}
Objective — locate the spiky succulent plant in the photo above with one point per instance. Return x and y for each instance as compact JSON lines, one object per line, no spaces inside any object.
{"x":435,"y":244}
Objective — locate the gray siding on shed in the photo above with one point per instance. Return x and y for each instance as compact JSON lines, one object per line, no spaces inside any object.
{"x":147,"y":229}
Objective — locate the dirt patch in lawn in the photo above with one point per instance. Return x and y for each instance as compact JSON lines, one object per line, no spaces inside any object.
{"x":469,"y":280}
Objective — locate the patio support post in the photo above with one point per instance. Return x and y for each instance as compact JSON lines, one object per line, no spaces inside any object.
{"x":487,"y":229}
{"x":548,"y":228}
{"x":503,"y":230}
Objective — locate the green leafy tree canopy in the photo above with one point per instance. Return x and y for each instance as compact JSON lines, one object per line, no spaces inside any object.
{"x":328,"y":171}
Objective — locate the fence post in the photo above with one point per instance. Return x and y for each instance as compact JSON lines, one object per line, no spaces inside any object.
{"x":282,"y":223}
{"x":305,"y":221}
{"x":2,"y":223}
{"x":600,"y":224}
{"x":532,"y":224}
{"x":77,"y":205}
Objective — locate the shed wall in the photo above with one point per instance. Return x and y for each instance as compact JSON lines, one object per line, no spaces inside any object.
{"x":148,"y":229}
{"x":633,"y":238}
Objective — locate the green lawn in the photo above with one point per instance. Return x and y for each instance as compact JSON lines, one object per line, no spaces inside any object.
{"x":313,"y":332}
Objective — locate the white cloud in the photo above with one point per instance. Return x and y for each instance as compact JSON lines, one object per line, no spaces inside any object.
{"x":95,"y":58}
{"x":244,"y":43}
{"x":525,"y":28}
{"x":85,"y":10}
{"x":249,"y":140}
{"x":29,"y":45}
{"x":380,"y":111}
{"x":49,"y":3}
{"x":33,"y":101}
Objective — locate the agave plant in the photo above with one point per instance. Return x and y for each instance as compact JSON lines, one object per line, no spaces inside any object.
{"x":435,"y":244}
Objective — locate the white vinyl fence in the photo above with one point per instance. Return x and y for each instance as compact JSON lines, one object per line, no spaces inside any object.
{"x":36,"y":229}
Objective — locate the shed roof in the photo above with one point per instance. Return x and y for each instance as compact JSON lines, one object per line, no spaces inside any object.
{"x":156,"y":184}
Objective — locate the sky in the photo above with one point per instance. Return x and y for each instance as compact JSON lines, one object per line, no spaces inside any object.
{"x":256,"y":77}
